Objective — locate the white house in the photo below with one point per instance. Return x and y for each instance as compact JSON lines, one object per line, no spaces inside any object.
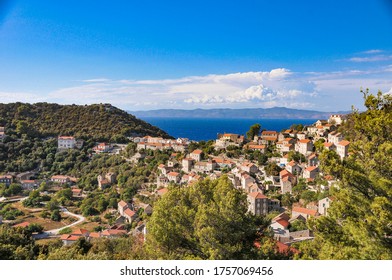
{"x":66,"y":142}
{"x":323,"y":205}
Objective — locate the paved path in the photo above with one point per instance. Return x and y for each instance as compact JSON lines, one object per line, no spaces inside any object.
{"x":66,"y":212}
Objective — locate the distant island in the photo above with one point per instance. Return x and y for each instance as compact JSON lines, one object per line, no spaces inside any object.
{"x":247,"y":113}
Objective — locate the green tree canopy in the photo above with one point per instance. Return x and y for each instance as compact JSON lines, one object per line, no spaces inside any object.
{"x":358,"y":225}
{"x":207,"y":220}
{"x":253,"y":131}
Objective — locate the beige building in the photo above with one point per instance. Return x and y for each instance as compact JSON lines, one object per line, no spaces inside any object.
{"x":304,"y":146}
{"x":197,"y":155}
{"x":342,"y":148}
{"x":66,"y":142}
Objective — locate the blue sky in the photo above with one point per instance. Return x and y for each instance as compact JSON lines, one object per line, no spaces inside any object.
{"x":141,"y":55}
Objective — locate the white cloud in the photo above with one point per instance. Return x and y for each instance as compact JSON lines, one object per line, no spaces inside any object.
{"x":26,"y":97}
{"x":373,"y":51}
{"x":371,"y":58}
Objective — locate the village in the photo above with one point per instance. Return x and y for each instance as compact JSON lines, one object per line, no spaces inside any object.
{"x":292,"y":167}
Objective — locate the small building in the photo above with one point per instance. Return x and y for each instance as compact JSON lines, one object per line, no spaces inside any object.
{"x":6,"y":180}
{"x":249,"y":167}
{"x":60,"y":179}
{"x":173,"y":177}
{"x":342,"y":148}
{"x":66,"y":142}
{"x":106,"y":180}
{"x":293,"y":167}
{"x":130,"y":215}
{"x":330,"y":146}
{"x":336,"y":119}
{"x":29,"y":184}
{"x":102,"y":148}
{"x":304,"y":146}
{"x":323,"y":205}
{"x":313,"y":160}
{"x":187,"y":164}
{"x":258,"y":203}
{"x":303,"y":212}
{"x":311,"y":172}
{"x":122,"y":206}
{"x":197,"y":155}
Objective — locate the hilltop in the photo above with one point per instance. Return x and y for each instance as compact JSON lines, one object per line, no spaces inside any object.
{"x":100,"y":122}
{"x":247,"y":113}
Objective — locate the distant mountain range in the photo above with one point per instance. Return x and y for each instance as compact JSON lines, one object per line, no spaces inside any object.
{"x":249,"y":113}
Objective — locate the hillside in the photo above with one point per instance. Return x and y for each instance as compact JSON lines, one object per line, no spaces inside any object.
{"x":100,"y":122}
{"x":247,"y":113}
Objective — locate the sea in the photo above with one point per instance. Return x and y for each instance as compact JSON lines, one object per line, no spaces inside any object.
{"x":208,"y":128}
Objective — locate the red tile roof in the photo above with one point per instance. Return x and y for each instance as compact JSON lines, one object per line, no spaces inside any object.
{"x":129,"y":212}
{"x":305,"y":211}
{"x":283,"y":222}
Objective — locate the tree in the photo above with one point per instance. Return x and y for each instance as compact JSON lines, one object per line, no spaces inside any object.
{"x":207,"y":220}
{"x":253,"y":131}
{"x":358,"y":225}
{"x":55,"y":216}
{"x":272,"y":169}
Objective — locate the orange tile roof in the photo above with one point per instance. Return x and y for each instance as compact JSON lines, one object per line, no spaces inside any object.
{"x":305,"y":211}
{"x":95,"y":235}
{"x":261,"y":147}
{"x":69,"y":237}
{"x":328,"y":144}
{"x":304,"y":141}
{"x":269,"y":132}
{"x":285,"y":173}
{"x":162,"y":191}
{"x":113,"y":232}
{"x":344,"y":143}
{"x":129,"y":212}
{"x":80,"y":231}
{"x":197,"y":152}
{"x":173,"y":174}
{"x":311,"y":168}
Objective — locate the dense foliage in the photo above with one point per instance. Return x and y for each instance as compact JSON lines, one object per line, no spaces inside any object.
{"x":101,"y":122}
{"x":359,"y":222}
{"x":207,"y":220}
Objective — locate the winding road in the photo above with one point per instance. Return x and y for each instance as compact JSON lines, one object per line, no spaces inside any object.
{"x":66,"y":212}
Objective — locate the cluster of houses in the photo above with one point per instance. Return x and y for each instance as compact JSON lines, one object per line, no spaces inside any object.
{"x":159,"y":143}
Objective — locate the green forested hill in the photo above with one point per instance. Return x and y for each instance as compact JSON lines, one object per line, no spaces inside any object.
{"x":101,"y":122}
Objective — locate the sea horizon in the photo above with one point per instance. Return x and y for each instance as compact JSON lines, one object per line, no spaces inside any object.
{"x":204,"y":129}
